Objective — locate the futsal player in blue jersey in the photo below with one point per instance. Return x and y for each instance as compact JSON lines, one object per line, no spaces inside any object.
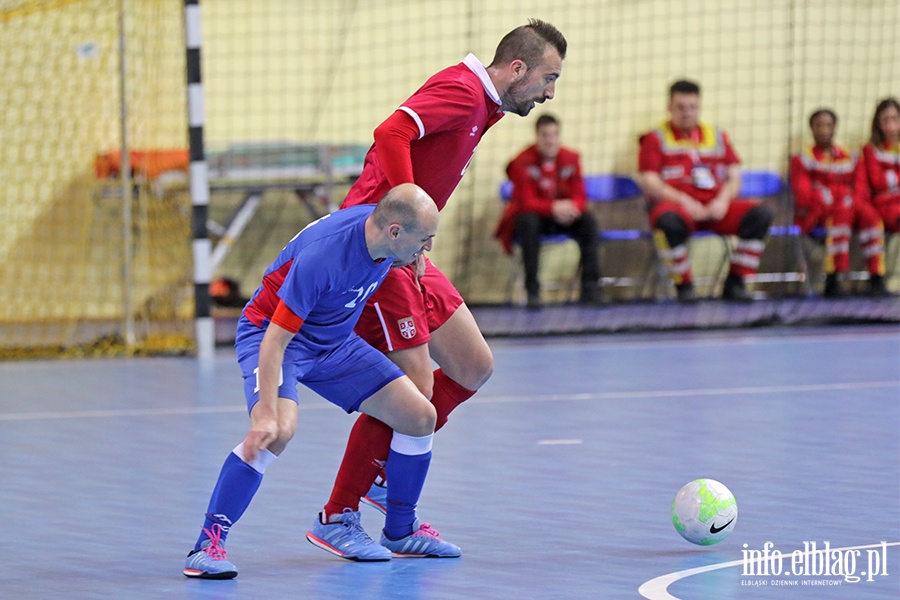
{"x":298,"y":328}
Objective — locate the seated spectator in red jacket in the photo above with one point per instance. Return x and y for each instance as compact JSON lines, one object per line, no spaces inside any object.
{"x":881,"y":157}
{"x":691,"y":177}
{"x":823,"y":177}
{"x":548,"y":198}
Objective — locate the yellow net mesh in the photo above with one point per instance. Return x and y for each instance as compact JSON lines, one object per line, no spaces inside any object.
{"x":62,"y":251}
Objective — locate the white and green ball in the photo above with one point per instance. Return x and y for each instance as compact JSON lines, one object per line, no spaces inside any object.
{"x":704,"y":512}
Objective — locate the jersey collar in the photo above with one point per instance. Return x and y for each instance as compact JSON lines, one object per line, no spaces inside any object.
{"x":837,"y":153}
{"x":703,"y":136}
{"x":476,"y":67}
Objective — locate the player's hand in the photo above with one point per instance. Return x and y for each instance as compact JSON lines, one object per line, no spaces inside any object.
{"x":258,"y":438}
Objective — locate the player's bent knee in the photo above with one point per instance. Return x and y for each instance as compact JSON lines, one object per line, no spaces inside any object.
{"x":484,"y":369}
{"x":475,"y":372}
{"x":419,"y":421}
{"x":427,"y":419}
{"x":487,"y":369}
{"x":401,"y":406}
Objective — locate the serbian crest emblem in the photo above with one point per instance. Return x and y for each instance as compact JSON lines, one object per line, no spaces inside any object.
{"x":407,"y":327}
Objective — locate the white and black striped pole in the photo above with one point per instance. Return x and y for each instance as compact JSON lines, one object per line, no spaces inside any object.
{"x":125,"y":180}
{"x":202,"y":249}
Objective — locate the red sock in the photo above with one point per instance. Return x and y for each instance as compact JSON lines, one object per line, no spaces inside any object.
{"x":367,"y":450}
{"x":370,"y":442}
{"x":446,"y":396}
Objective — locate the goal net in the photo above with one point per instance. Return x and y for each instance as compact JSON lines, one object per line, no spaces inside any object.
{"x":293,"y":90}
{"x":74,"y":280}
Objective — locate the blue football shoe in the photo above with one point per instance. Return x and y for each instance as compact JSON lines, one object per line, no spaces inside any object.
{"x":346,"y":539}
{"x":209,"y":561}
{"x":423,"y":542}
{"x":377,"y":496}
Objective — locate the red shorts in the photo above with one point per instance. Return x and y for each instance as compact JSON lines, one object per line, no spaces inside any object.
{"x":727,"y":225}
{"x":402,"y":315}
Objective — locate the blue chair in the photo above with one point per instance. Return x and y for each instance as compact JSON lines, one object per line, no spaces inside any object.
{"x":759,"y":184}
{"x":605,"y":188}
{"x":602,"y":191}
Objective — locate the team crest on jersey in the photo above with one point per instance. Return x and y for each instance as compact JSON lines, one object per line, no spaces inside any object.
{"x":407,"y":328}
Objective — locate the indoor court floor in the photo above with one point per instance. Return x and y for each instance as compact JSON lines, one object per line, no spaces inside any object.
{"x":556,"y":479}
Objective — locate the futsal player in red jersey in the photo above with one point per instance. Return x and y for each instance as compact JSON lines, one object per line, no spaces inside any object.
{"x":418,"y":315}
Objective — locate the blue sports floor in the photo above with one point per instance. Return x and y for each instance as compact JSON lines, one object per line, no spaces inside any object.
{"x":556,"y":479}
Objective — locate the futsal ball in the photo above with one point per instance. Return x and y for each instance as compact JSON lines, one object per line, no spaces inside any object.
{"x":704,"y":512}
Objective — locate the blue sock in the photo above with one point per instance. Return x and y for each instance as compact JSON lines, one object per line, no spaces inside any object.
{"x":237,"y":484}
{"x":405,"y":475}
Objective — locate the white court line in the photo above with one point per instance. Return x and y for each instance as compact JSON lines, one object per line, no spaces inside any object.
{"x":657,"y":588}
{"x":480,"y":398}
{"x":680,"y":393}
{"x":120,"y":412}
{"x":133,"y":412}
{"x":579,"y":344}
{"x":572,"y":442}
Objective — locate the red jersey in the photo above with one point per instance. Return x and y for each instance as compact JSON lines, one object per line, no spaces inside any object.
{"x":882,"y":168}
{"x":818,"y":178}
{"x":452,"y":111}
{"x":695,"y":163}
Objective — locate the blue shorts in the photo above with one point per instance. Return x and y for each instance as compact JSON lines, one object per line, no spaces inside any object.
{"x":345,"y":375}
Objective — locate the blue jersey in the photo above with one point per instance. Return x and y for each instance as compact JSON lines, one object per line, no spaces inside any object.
{"x":324,"y":275}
